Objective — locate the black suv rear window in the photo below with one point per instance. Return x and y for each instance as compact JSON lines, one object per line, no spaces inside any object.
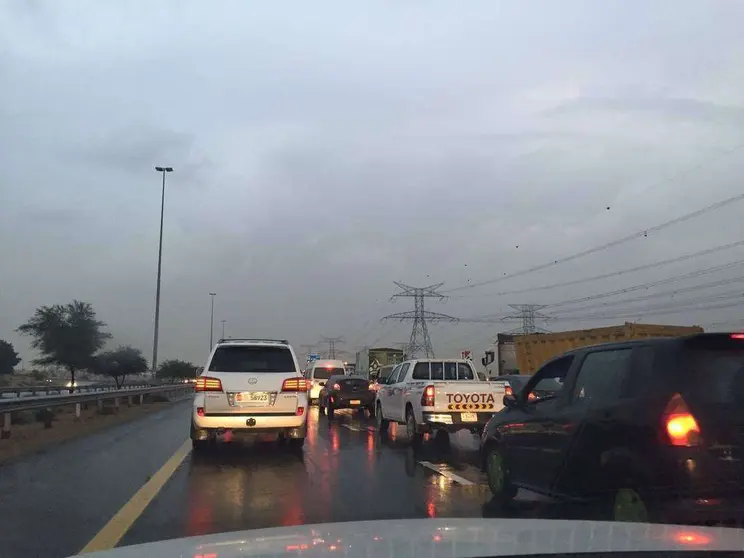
{"x":323,"y":373}
{"x":716,"y":375}
{"x":236,"y":358}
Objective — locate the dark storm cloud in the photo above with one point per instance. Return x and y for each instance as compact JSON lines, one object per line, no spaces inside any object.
{"x":320,"y":156}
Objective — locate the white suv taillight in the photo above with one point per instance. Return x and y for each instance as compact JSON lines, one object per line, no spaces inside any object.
{"x":205,"y":383}
{"x":295,"y":384}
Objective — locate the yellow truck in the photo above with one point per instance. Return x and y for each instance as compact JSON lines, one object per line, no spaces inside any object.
{"x":535,"y":349}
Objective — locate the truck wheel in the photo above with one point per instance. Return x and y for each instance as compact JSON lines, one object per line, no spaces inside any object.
{"x":498,"y":477}
{"x":412,"y":428}
{"x":382,"y":423}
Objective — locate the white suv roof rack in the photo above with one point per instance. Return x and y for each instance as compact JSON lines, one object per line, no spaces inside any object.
{"x":233,"y":340}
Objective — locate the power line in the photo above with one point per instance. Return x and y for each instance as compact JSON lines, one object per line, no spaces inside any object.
{"x":612,"y":274}
{"x":731,"y":295}
{"x":612,"y":244}
{"x":652,"y":296}
{"x":653,"y":313}
{"x":489,"y":317}
{"x":649,"y":284}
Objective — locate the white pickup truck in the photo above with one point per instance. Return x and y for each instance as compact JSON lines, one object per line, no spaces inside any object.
{"x":429,"y":395}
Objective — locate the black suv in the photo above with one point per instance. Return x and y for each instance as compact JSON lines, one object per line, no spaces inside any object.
{"x":651,"y":429}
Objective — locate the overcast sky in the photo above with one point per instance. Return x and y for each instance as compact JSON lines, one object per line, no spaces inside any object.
{"x":323,"y":151}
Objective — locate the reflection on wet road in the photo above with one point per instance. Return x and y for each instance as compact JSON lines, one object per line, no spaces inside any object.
{"x":347,"y":472}
{"x":55,"y":503}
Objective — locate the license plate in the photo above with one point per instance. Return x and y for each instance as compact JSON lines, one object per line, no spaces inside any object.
{"x":356,"y":402}
{"x":252,"y":397}
{"x":469,"y":417}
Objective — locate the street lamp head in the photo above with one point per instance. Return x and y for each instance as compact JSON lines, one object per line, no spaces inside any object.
{"x":212,"y":294}
{"x":164,"y":169}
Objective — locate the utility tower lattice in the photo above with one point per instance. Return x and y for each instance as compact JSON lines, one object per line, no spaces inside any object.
{"x":527,"y":313}
{"x":308,"y":349}
{"x":332,"y":345}
{"x":420,"y":342}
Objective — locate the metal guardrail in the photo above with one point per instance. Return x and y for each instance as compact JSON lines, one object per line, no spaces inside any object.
{"x":30,"y":391}
{"x":77,"y":399}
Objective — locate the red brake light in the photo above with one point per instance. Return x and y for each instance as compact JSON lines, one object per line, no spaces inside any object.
{"x":508,"y":390}
{"x":295,"y":384}
{"x":531,"y":396}
{"x":200,"y":411}
{"x":205,"y":383}
{"x":737,"y":336}
{"x":336,"y":387}
{"x":679,"y":423}
{"x":427,"y":398}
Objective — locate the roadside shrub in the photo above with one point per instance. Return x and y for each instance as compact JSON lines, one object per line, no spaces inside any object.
{"x":46,"y":416}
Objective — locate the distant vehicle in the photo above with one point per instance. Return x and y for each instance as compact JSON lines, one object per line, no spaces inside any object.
{"x":436,"y":395}
{"x":369,"y":361}
{"x":382,"y":373}
{"x":501,"y":358}
{"x":346,"y":392}
{"x":317,"y":374}
{"x":250,"y":387}
{"x":651,"y":429}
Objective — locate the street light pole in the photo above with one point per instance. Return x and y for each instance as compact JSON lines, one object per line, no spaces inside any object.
{"x":211,"y":323}
{"x":164,"y":171}
{"x":223,"y":328}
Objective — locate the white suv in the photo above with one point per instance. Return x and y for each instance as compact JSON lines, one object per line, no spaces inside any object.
{"x":250,"y":386}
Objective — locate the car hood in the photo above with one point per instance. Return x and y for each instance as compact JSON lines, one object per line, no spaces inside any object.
{"x":451,"y":538}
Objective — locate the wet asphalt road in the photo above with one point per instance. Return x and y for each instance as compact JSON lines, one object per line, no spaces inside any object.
{"x":52,"y":504}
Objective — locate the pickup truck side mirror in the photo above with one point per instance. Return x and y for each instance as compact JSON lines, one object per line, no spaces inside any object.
{"x":510,"y":401}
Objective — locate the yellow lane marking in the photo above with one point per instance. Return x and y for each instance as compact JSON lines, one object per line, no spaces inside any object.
{"x":108,"y":537}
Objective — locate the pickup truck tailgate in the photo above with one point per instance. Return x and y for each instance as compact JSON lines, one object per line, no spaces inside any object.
{"x":472,"y":396}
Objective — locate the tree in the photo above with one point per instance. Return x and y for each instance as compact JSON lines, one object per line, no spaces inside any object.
{"x":8,"y":358}
{"x":66,"y":335}
{"x":176,"y":370}
{"x":120,"y":363}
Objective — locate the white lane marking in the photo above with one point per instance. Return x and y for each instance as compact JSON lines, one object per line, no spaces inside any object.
{"x":352,"y":427}
{"x":442,"y":470}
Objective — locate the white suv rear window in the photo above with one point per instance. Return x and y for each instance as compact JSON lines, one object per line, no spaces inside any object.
{"x":237,"y":358}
